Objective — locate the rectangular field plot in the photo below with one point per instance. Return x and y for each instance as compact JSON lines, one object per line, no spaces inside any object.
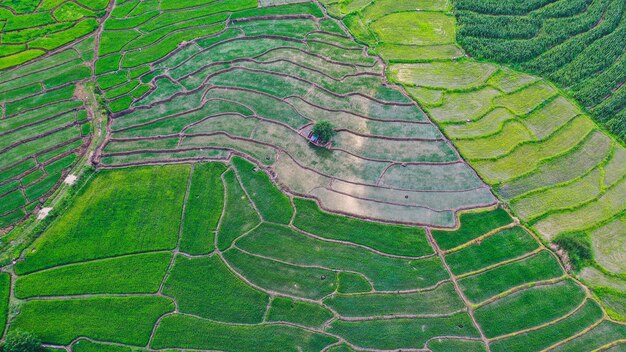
{"x":605,"y":333}
{"x":495,"y":146}
{"x":375,"y":210}
{"x":284,"y":244}
{"x":509,"y":80}
{"x":527,"y":157}
{"x":441,"y":300}
{"x":489,"y":124}
{"x":378,"y":9}
{"x":301,"y":180}
{"x":511,"y":313}
{"x":614,"y":168}
{"x":472,"y":225}
{"x":525,"y":100}
{"x":579,"y":161}
{"x":390,"y":239}
{"x":298,"y":312}
{"x":407,"y":53}
{"x":434,"y":28}
{"x":203,"y":209}
{"x":535,"y":204}
{"x":395,"y":150}
{"x":100,"y":276}
{"x":536,"y":340}
{"x":5,"y":288}
{"x":504,"y":245}
{"x":105,"y":319}
{"x":273,"y":205}
{"x":239,"y":214}
{"x":541,"y":266}
{"x":447,"y":75}
{"x":121,"y":207}
{"x":135,"y":158}
{"x":179,"y":331}
{"x":464,"y":106}
{"x":88,"y":346}
{"x":460,"y":344}
{"x":299,"y":281}
{"x":402,"y":333}
{"x":551,"y":117}
{"x":609,"y":246}
{"x":206,"y":288}
{"x":605,"y":207}
{"x":436,"y":201}
{"x":454,"y":177}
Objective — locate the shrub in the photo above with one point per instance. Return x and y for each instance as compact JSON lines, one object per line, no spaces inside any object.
{"x":578,"y":248}
{"x":324,"y":130}
{"x":22,"y":341}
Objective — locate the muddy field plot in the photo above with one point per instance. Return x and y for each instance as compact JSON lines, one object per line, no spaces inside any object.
{"x":220,"y":259}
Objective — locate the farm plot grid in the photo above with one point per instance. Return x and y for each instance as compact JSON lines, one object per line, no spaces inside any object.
{"x":45,"y":126}
{"x":32,"y":28}
{"x":232,"y":79}
{"x":558,"y":171}
{"x":220,"y":259}
{"x":577,"y":44}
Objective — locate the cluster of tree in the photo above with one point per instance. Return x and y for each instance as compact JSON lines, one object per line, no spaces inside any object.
{"x":324,"y":131}
{"x":498,"y":7}
{"x":578,"y":248}
{"x":21,"y":341}
{"x":578,"y":44}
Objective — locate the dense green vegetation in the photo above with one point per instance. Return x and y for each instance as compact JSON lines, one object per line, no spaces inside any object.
{"x":111,"y":221}
{"x":578,"y":248}
{"x":277,"y":285}
{"x":33,"y":28}
{"x":21,"y":341}
{"x":397,"y":240}
{"x":190,"y":332}
{"x":102,"y":318}
{"x":577,"y":44}
{"x":5,"y":288}
{"x":271,"y":203}
{"x":253,"y":251}
{"x":101,"y":276}
{"x":472,"y":226}
{"x":203,"y":209}
{"x":44,"y":127}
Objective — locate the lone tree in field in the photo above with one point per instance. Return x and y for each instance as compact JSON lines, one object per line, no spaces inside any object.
{"x":21,"y":341}
{"x":324,"y":131}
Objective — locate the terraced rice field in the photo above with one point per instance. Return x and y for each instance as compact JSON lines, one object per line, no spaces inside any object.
{"x":253,"y":84}
{"x":220,"y":259}
{"x":577,"y":44}
{"x":556,"y":169}
{"x":34,"y":28}
{"x":181,"y":206}
{"x":45,"y":127}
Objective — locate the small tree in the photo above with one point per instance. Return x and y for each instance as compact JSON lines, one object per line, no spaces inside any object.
{"x":22,"y":341}
{"x":324,"y":131}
